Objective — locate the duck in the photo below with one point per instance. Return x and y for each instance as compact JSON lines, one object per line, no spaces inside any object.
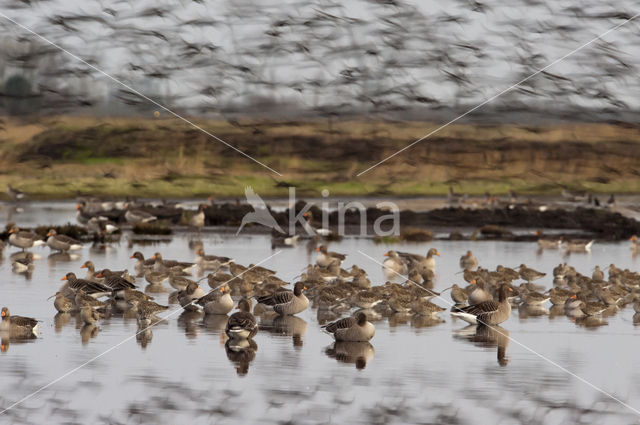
{"x":351,"y":329}
{"x":197,"y":220}
{"x":468,"y":261}
{"x":62,"y":243}
{"x":210,"y":262}
{"x":23,"y":239}
{"x":18,"y":326}
{"x":394,"y":263}
{"x":529,"y":274}
{"x":325,"y":257}
{"x":287,"y":303}
{"x":242,"y":324}
{"x":217,"y":302}
{"x":487,"y":312}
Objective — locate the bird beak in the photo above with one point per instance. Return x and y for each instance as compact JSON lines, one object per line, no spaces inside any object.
{"x":511,"y":289}
{"x":51,"y":297}
{"x":437,"y":253}
{"x":99,"y":275}
{"x":473,"y":282}
{"x":83,"y":266}
{"x":11,"y":230}
{"x":317,"y":249}
{"x":64,"y":278}
{"x":132,"y":257}
{"x":77,"y":207}
{"x":304,"y":287}
{"x":222,"y":289}
{"x":573,"y":297}
{"x":386,"y":254}
{"x":48,"y":233}
{"x":3,"y":314}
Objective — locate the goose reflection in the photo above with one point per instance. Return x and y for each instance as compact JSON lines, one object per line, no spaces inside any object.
{"x":215,"y":323}
{"x":525,"y":311}
{"x":61,"y":257}
{"x":292,"y":326}
{"x":357,"y":353}
{"x":488,"y":336}
{"x":6,"y":340}
{"x":241,"y":353}
{"x":189,"y":321}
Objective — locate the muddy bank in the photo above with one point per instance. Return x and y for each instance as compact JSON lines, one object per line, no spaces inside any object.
{"x":599,"y":223}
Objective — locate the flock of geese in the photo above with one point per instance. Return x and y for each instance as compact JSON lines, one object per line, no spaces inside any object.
{"x":346,"y":301}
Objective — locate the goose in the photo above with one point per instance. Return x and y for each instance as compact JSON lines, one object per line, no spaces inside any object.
{"x":547,"y":242}
{"x":488,"y":312}
{"x":325,"y":257}
{"x":197,"y":220}
{"x":114,"y":282}
{"x":192,"y":292}
{"x":217,"y":302}
{"x":287,"y":303}
{"x":62,"y":243}
{"x":468,"y":261}
{"x":161,"y":264}
{"x":242,"y":324}
{"x":577,"y":245}
{"x":134,"y":216}
{"x":142,"y":264}
{"x":210,"y":262}
{"x":18,"y":326}
{"x":91,"y":271}
{"x":394,"y":263}
{"x":422,"y":264}
{"x":23,"y":265}
{"x":23,"y":239}
{"x":351,"y":329}
{"x":479,"y":294}
{"x":91,"y":288}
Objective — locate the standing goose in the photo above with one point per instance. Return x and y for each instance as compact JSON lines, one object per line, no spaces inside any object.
{"x":210,"y":262}
{"x":488,"y":312}
{"x":325,"y":257}
{"x":192,"y":292}
{"x":23,"y":239}
{"x":142,"y":264}
{"x":352,"y":329}
{"x":114,"y":282}
{"x":161,"y":264}
{"x":18,"y":326}
{"x":217,"y":302}
{"x":73,"y":284}
{"x":287,"y":303}
{"x":62,"y":243}
{"x":395,"y":264}
{"x":197,"y":220}
{"x":242,"y":324}
{"x":468,"y":261}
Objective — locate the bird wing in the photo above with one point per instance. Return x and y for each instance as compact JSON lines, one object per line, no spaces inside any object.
{"x":482,"y":308}
{"x":254,"y":199}
{"x":407,"y":256}
{"x":280,"y":297}
{"x":345,"y":323}
{"x":68,"y":239}
{"x":23,"y":321}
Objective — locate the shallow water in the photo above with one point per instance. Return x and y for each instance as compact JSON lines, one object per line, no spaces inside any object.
{"x":414,"y":373}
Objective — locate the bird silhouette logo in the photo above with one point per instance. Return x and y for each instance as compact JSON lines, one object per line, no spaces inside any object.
{"x":260,"y":214}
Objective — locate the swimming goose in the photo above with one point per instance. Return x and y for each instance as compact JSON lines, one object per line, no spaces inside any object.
{"x":18,"y":326}
{"x":325,"y":258}
{"x":468,"y":261}
{"x":488,"y":312}
{"x":529,"y":274}
{"x":287,"y":303}
{"x":210,"y":262}
{"x":394,"y":264}
{"x":242,"y":324}
{"x":577,"y":245}
{"x":161,"y":265}
{"x":353,"y":329}
{"x":197,"y":220}
{"x":422,"y":264}
{"x":142,"y":264}
{"x":217,"y":302}
{"x":134,"y":216}
{"x":62,"y":243}
{"x":23,"y":239}
{"x":23,"y":265}
{"x":547,"y":242}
